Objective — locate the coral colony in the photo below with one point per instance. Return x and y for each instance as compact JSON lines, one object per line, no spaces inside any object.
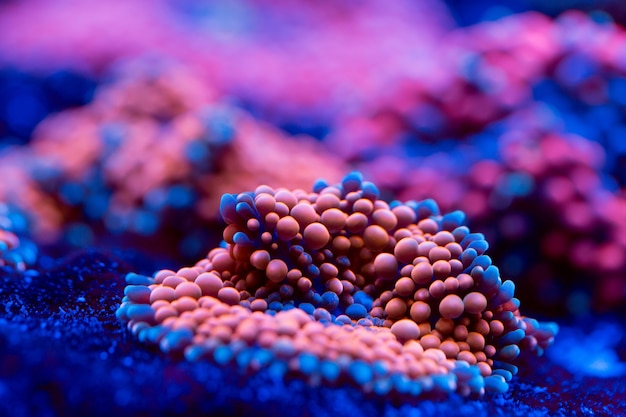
{"x":85,"y":170}
{"x":337,"y":285}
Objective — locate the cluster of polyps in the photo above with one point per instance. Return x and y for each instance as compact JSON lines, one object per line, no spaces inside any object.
{"x":155,"y":144}
{"x":337,"y":285}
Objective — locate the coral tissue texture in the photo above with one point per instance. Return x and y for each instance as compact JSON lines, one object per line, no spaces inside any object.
{"x":337,"y":285}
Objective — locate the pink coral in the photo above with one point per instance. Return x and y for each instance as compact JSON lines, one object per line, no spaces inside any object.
{"x":337,"y":276}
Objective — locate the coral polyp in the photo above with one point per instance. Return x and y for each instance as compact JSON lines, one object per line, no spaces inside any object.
{"x":337,"y":285}
{"x":16,"y":250}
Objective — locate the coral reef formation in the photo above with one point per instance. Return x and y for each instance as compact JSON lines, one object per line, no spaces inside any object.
{"x":120,"y":132}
